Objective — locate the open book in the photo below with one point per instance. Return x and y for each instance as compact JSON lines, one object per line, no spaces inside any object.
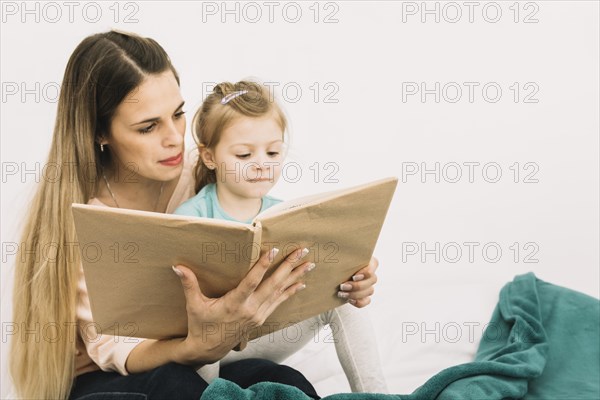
{"x":127,"y":257}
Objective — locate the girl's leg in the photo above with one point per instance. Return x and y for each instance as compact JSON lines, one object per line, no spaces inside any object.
{"x":247,"y":372}
{"x":169,"y":381}
{"x":209,"y":372}
{"x":356,"y":347}
{"x":280,"y":344}
{"x":354,"y":340}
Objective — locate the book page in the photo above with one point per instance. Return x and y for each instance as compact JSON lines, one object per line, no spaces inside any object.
{"x":127,"y":257}
{"x":340,"y":229}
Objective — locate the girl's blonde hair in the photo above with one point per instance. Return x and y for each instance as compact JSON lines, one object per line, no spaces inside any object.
{"x":225,"y":104}
{"x":102,"y":70}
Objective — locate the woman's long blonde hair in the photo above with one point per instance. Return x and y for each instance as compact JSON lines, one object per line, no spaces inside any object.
{"x":218,"y":111}
{"x":102,"y":70}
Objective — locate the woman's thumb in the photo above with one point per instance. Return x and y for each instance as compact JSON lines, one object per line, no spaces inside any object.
{"x":189,"y":282}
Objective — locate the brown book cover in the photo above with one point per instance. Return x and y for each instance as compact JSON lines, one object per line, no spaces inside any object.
{"x":127,"y":256}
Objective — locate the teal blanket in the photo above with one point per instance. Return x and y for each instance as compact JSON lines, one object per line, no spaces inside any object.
{"x":542,"y":343}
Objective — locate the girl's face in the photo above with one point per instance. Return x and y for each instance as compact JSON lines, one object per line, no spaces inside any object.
{"x":147,"y":131}
{"x":248,"y":157}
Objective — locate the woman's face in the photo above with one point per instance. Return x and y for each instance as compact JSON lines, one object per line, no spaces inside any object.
{"x":147,"y":131}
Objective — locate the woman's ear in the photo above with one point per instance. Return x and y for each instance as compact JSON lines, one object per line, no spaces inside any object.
{"x":208,"y":158}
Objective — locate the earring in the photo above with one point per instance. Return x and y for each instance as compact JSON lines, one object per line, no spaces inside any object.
{"x":101,"y":147}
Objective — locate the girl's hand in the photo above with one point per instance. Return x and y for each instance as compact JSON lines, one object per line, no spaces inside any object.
{"x":216,"y":325}
{"x":359,"y":290}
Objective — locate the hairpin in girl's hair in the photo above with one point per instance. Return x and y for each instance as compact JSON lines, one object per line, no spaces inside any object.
{"x":232,"y":96}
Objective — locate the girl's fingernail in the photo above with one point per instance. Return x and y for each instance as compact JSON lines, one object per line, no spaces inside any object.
{"x":311,"y":266}
{"x":343,"y":295}
{"x":178,"y":272}
{"x":302,"y":287}
{"x":304,"y":252}
{"x":352,"y":301}
{"x":358,"y":277}
{"x":345,"y":286}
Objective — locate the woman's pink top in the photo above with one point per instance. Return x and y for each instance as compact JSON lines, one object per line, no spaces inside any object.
{"x":106,"y":352}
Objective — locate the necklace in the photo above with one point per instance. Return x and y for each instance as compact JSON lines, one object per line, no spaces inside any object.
{"x":115,"y":199}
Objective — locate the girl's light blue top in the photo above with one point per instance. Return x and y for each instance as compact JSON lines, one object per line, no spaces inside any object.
{"x":206,"y":204}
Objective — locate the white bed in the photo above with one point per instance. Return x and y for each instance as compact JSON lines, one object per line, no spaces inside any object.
{"x":452,"y":305}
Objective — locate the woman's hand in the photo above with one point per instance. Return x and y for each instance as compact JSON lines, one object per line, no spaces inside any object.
{"x":216,"y":325}
{"x":359,"y":290}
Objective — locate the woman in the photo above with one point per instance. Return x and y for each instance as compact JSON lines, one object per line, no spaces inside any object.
{"x":120,"y":128}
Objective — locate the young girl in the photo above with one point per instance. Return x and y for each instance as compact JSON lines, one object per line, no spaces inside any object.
{"x":240,"y":135}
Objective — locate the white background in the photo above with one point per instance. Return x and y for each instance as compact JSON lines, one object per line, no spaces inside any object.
{"x":363,"y":121}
